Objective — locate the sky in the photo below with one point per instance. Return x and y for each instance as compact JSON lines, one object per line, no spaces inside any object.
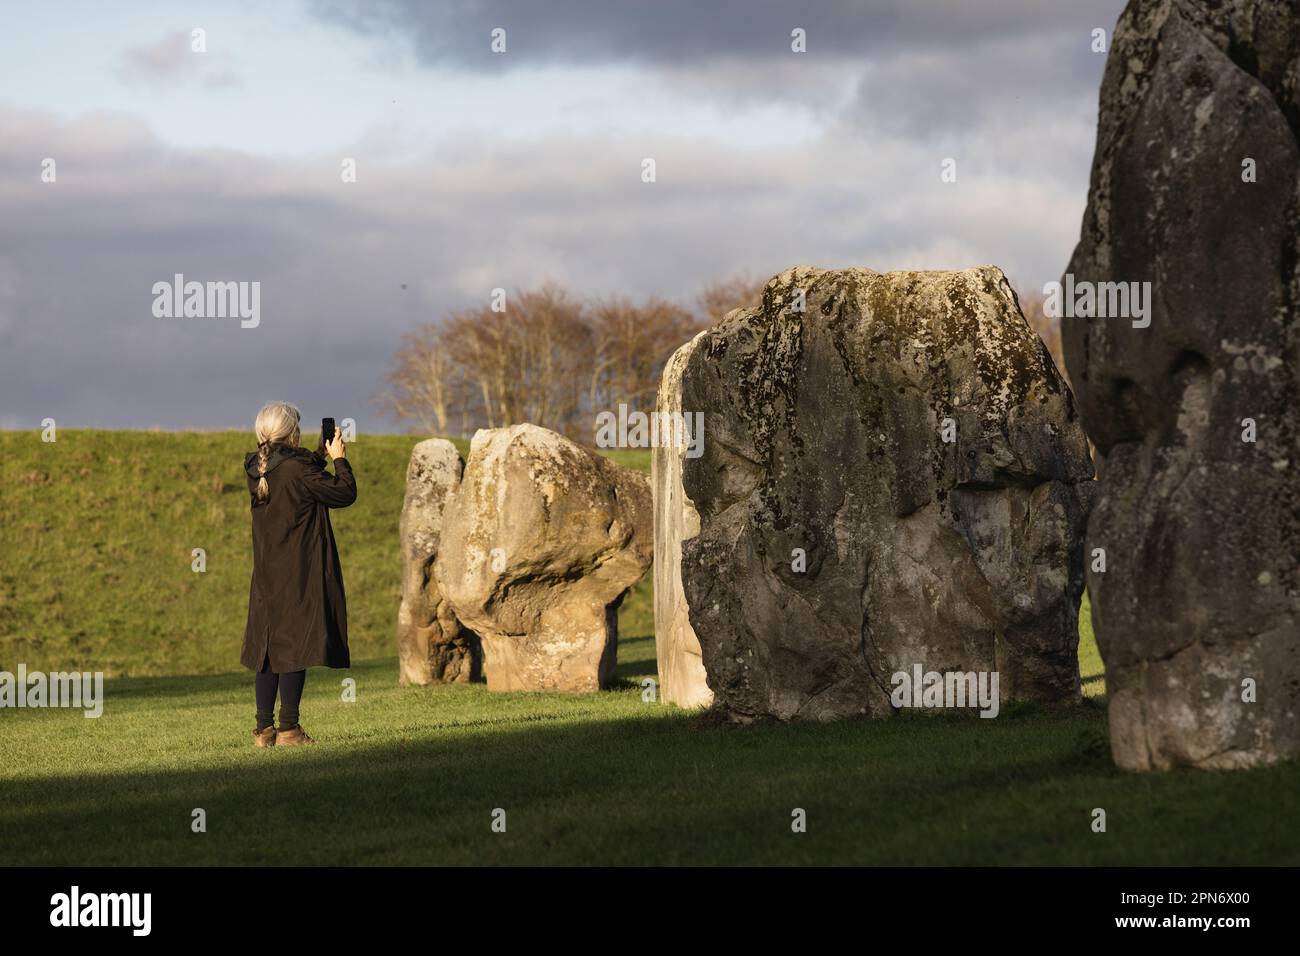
{"x":220,"y":155}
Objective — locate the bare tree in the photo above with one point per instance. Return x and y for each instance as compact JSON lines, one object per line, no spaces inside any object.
{"x":548,"y":358}
{"x":553,"y":340}
{"x":719,"y":297}
{"x":474,"y":341}
{"x":526,"y":363}
{"x":424,"y":385}
{"x":631,"y":342}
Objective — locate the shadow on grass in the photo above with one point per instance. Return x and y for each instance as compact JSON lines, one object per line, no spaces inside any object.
{"x":627,"y":674}
{"x":648,"y":789}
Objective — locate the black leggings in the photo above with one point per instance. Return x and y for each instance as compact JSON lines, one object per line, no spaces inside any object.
{"x":290,"y":687}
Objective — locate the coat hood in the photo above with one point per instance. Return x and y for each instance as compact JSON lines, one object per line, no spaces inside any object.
{"x":278,"y":456}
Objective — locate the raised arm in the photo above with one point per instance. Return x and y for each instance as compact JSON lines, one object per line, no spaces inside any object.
{"x":333,"y":491}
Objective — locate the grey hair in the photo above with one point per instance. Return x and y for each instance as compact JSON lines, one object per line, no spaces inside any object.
{"x":276,"y":422}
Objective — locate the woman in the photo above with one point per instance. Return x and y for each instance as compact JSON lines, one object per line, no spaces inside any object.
{"x":297,"y":614}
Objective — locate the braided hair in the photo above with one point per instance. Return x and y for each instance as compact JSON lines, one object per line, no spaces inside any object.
{"x":277,"y":423}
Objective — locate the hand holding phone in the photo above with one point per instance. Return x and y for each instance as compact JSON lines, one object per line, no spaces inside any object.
{"x":332,"y":439}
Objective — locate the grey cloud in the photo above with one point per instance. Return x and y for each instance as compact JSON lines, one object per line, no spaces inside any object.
{"x":678,"y":32}
{"x":933,"y":97}
{"x":918,"y":67}
{"x":78,"y":258}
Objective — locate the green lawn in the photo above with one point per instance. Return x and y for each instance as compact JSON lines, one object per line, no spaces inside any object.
{"x":100,"y":528}
{"x":95,"y":575}
{"x":412,"y":775}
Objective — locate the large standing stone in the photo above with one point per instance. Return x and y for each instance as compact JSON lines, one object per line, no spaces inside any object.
{"x":431,"y":644}
{"x":1200,"y":598}
{"x":540,"y":545}
{"x":681,"y":668}
{"x":840,"y":538}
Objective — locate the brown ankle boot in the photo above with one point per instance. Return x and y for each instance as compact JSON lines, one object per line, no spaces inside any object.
{"x":293,"y":736}
{"x":264,"y":737}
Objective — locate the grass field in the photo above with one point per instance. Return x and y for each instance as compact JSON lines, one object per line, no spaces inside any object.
{"x":95,"y":575}
{"x":100,"y":529}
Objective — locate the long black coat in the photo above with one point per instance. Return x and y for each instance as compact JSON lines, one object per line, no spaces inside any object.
{"x":296,"y":607}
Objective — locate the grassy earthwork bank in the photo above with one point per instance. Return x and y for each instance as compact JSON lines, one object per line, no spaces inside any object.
{"x":95,"y":574}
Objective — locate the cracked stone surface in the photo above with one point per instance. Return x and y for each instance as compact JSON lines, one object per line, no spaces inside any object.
{"x":540,"y":544}
{"x":432,"y":646}
{"x":824,"y":437}
{"x":1200,"y":597}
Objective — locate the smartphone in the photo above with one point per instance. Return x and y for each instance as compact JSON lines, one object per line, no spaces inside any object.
{"x":326,"y":431}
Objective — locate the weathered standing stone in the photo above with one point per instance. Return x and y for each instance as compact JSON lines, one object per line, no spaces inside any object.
{"x":540,"y":545}
{"x":841,"y":539}
{"x":1201,"y":530}
{"x":431,"y":644}
{"x":681,"y":669}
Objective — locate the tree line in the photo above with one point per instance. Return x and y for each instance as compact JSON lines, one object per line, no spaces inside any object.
{"x":556,"y":359}
{"x":546,"y":356}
